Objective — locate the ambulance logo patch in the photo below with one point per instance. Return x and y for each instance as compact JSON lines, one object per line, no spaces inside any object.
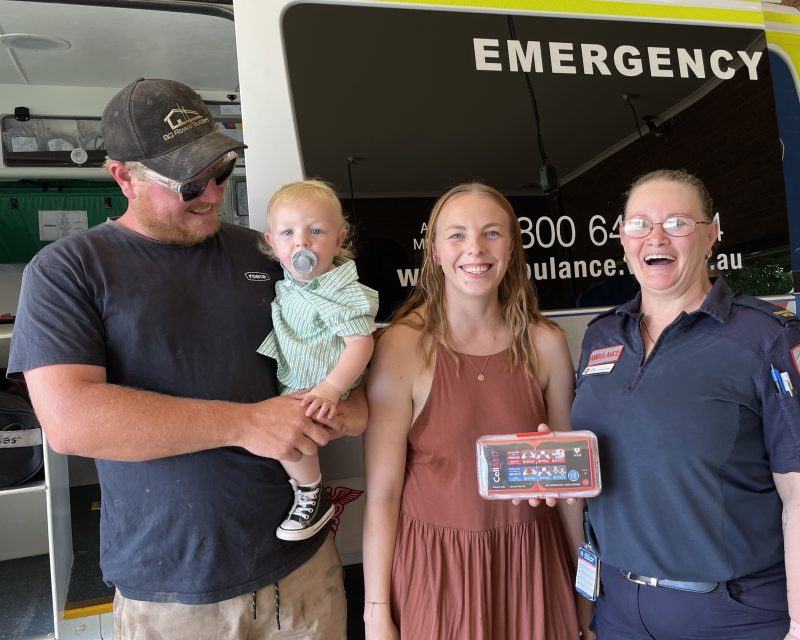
{"x":795,"y":351}
{"x":603,"y":360}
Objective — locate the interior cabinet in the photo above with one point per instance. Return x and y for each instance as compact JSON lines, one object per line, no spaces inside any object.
{"x":32,"y":215}
{"x":35,"y":546}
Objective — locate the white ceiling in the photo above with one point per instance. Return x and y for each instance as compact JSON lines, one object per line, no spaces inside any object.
{"x":112,"y":46}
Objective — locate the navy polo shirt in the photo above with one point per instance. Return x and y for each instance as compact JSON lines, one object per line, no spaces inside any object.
{"x":689,"y":438}
{"x":183,"y":321}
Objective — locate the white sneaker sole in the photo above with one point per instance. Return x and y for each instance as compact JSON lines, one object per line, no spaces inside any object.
{"x":293,"y":535}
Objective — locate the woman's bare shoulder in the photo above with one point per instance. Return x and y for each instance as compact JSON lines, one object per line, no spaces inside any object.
{"x":399,"y":336}
{"x":399,"y":346}
{"x":403,"y":333}
{"x":552,"y":351}
{"x":547,"y":334}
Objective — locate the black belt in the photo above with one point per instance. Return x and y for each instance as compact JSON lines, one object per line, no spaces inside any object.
{"x":682,"y":585}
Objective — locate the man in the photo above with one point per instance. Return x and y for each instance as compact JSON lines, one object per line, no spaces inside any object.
{"x":138,"y":341}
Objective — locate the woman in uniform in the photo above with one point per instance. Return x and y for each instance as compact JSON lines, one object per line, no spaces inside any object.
{"x":697,"y":414}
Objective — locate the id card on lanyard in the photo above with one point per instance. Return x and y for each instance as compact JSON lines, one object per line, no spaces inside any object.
{"x":587,"y":577}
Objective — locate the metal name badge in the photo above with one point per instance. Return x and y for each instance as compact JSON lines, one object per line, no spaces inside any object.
{"x":603,"y":360}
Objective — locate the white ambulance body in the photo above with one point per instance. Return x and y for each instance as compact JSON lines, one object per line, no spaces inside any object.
{"x":558,"y":105}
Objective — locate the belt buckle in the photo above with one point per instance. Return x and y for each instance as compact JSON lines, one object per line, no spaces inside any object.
{"x":643,"y":580}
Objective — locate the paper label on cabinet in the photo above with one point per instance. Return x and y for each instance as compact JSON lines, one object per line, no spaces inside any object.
{"x":59,"y":224}
{"x":26,"y":438}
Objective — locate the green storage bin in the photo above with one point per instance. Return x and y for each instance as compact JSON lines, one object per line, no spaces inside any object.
{"x":21,"y":203}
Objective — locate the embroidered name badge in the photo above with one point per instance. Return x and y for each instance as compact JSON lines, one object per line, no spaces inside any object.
{"x":603,"y":360}
{"x":795,"y":351}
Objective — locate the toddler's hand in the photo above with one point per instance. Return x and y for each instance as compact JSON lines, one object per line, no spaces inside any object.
{"x":321,"y":401}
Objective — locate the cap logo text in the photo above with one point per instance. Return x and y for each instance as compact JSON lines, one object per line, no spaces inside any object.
{"x":181,"y":120}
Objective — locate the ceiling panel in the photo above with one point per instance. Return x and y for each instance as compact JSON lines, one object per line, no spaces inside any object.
{"x":113,"y":45}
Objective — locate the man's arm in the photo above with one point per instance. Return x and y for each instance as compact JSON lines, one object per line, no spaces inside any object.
{"x":84,"y":415}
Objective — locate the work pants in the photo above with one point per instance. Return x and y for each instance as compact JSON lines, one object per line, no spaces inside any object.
{"x":309,"y":604}
{"x":750,"y":608}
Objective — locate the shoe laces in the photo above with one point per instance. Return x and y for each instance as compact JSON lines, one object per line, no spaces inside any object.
{"x":306,"y":501}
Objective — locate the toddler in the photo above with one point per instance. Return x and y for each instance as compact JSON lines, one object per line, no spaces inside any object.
{"x":322,"y":320}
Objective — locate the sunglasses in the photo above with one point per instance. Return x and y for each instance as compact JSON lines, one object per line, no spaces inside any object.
{"x":677,"y":226}
{"x":194,"y":187}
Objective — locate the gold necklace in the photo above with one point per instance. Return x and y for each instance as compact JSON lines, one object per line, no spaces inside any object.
{"x":480,"y":371}
{"x":647,"y":331}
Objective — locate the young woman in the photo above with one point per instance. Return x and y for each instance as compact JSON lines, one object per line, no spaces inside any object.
{"x":468,"y":354}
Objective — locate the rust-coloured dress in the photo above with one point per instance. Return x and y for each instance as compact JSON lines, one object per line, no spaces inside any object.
{"x":465,"y":567}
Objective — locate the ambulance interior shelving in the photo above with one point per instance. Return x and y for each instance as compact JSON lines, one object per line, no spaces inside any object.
{"x":391,"y":102}
{"x":53,"y":87}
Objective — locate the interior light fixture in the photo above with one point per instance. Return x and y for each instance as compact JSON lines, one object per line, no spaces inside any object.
{"x":33,"y":42}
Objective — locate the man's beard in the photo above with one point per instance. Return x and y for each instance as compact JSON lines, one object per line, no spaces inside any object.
{"x":183,"y":236}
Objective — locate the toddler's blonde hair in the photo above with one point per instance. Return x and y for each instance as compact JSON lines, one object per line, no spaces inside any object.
{"x":303,"y":190}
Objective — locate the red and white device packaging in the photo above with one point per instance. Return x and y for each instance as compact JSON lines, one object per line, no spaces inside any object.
{"x":558,"y":464}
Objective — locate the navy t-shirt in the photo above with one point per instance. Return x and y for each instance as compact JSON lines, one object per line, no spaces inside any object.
{"x":690,"y":437}
{"x":183,"y":321}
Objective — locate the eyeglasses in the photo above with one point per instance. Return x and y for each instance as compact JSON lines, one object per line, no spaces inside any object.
{"x":194,"y":187}
{"x":677,"y":226}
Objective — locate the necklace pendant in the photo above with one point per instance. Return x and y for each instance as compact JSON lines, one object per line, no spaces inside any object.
{"x":480,"y":371}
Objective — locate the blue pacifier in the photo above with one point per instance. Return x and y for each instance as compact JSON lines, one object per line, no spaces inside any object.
{"x":304,"y":261}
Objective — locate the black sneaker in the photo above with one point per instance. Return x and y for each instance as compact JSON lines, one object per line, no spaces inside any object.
{"x":310,"y":512}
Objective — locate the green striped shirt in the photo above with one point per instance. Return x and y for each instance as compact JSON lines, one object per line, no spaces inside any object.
{"x":310,"y":320}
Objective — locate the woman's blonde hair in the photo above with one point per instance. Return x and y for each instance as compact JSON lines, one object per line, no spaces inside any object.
{"x":303,"y":190}
{"x":681,"y":176}
{"x":425,"y":309}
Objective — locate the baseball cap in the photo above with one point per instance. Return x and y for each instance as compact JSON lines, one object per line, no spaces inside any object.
{"x":166,"y":126}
